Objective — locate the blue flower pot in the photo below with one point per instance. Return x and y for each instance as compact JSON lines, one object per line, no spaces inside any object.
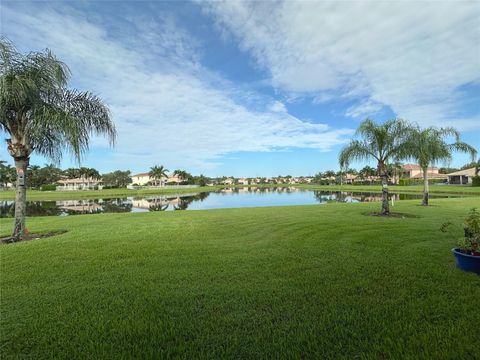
{"x":467,"y":262}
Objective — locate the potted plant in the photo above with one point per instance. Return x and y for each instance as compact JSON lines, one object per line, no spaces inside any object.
{"x":467,"y":254}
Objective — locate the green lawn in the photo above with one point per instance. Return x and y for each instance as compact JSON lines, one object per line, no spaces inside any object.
{"x":111,"y":193}
{"x":320,"y":281}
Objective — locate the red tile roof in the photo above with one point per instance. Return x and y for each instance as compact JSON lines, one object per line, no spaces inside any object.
{"x":141,"y":174}
{"x":430,"y":176}
{"x":415,"y":167}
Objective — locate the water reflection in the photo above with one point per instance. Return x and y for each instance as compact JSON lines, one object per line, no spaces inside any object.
{"x":225,"y":198}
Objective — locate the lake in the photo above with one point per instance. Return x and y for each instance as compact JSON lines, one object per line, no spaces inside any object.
{"x":225,"y":198}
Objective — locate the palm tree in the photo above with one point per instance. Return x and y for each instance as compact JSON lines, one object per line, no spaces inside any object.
{"x":429,"y":146}
{"x":41,"y":115}
{"x":157,"y":173}
{"x":367,"y":172}
{"x":379,"y":142}
{"x":182,"y":175}
{"x":394,"y":171}
{"x":7,"y":173}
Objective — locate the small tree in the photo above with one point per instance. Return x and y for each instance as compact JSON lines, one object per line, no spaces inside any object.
{"x":380,"y":142}
{"x":429,"y":146}
{"x":8,"y":174}
{"x":39,"y":114}
{"x":117,"y":179}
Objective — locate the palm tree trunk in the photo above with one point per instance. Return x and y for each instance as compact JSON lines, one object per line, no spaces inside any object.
{"x":20,"y":199}
{"x":385,"y":204}
{"x":425,"y":187}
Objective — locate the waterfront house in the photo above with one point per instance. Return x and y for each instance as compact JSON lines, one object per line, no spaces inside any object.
{"x":228,"y":181}
{"x":414,"y":171}
{"x":81,"y":183}
{"x":141,"y":179}
{"x":243,"y":181}
{"x":461,"y":177}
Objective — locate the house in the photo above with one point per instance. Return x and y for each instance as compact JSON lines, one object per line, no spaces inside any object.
{"x":243,"y":181}
{"x":461,"y":177}
{"x":82,"y":183}
{"x":173,"y":179}
{"x":414,"y":171}
{"x":228,"y":181}
{"x":141,"y":179}
{"x":349,"y":178}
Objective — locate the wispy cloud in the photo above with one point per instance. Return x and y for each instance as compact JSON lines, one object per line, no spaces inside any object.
{"x":409,"y":56}
{"x":167,"y":107}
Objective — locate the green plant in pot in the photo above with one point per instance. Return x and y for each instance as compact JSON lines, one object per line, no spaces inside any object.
{"x":467,"y":254}
{"x":470,"y":243}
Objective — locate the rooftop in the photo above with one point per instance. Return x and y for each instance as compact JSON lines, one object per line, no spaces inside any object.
{"x":464,"y":172}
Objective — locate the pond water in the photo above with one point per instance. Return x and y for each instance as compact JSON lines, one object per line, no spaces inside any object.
{"x":226,"y":198}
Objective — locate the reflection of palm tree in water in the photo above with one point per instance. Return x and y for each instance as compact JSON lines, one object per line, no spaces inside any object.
{"x":185,"y":201}
{"x":201,"y":196}
{"x":117,"y":206}
{"x":157,"y":204}
{"x":158,"y":207}
{"x":183,"y":204}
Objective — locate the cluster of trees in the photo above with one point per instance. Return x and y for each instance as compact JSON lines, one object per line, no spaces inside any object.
{"x":37,"y":176}
{"x":397,"y":140}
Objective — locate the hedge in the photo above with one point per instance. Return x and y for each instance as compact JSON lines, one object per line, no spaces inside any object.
{"x":407,"y":182}
{"x":476,"y":181}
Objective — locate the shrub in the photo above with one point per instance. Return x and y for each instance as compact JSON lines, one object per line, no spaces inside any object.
{"x":48,"y":187}
{"x":110,"y":187}
{"x":476,"y":181}
{"x":408,"y":182}
{"x":470,"y":242}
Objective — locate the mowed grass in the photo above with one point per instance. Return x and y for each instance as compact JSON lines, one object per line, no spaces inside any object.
{"x":320,"y":281}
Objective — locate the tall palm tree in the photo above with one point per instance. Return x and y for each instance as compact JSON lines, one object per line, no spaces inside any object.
{"x":40,"y":114}
{"x":429,"y":146}
{"x":183,"y":175}
{"x":379,"y":142}
{"x":157,"y":173}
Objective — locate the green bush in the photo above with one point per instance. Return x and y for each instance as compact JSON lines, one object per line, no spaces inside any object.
{"x":408,"y":182}
{"x":476,"y":181}
{"x":366,"y":182}
{"x":48,"y":187}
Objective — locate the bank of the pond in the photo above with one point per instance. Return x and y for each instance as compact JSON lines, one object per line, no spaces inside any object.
{"x":113,"y":193}
{"x":291,"y":282}
{"x":220,"y":199}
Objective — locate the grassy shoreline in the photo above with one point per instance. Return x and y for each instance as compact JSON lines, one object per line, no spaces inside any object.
{"x":111,"y":193}
{"x":241,"y":283}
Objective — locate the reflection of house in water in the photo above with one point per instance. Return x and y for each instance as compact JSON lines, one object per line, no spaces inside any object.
{"x":166,"y":202}
{"x":160,"y":203}
{"x":325,"y":196}
{"x":80,"y":206}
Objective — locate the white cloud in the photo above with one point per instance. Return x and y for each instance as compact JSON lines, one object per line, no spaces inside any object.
{"x":410,"y":56}
{"x":167,"y":107}
{"x":366,"y":108}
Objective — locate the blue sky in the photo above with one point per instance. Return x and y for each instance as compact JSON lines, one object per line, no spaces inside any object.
{"x":257,"y":88}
